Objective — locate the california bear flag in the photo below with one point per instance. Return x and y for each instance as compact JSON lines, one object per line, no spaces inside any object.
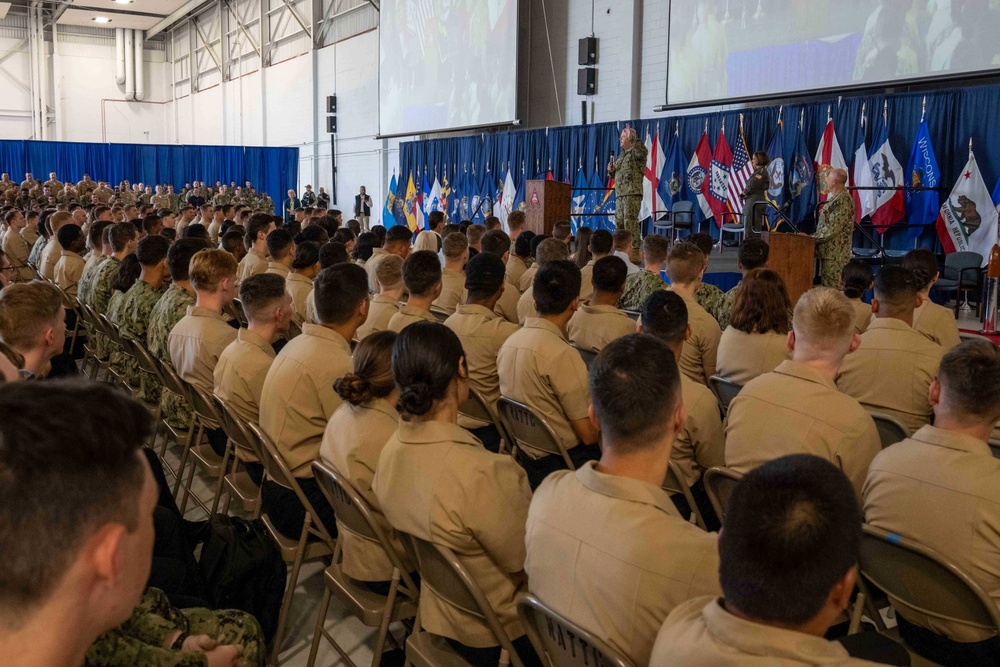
{"x":968,"y":220}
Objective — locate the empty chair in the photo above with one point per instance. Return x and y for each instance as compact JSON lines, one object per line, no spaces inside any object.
{"x":719,"y":483}
{"x":735,"y":228}
{"x":680,"y":216}
{"x":961,"y":273}
{"x":890,"y":431}
{"x":527,"y":428}
{"x":562,"y":643}
{"x":374,"y":610}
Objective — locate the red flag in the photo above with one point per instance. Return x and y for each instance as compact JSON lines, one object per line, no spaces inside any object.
{"x":718,"y":179}
{"x":828,"y":156}
{"x":549,"y":176}
{"x":697,"y":174}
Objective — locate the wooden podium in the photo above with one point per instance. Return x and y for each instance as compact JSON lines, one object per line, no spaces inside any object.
{"x":545,"y":204}
{"x":793,"y":257}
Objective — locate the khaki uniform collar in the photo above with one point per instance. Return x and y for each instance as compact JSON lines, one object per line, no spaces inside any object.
{"x":545,"y":325}
{"x":198,"y":311}
{"x":247,"y":336}
{"x":417,"y":312}
{"x":931,"y":435}
{"x":889,"y":323}
{"x":426,"y":433}
{"x":625,"y":488}
{"x":298,"y":278}
{"x":801,"y":371}
{"x":476,"y":309}
{"x":383,"y":406}
{"x":382,"y":298}
{"x":599,"y":310}
{"x":320,"y":331}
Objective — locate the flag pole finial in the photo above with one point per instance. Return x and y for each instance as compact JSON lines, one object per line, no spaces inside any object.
{"x":885,"y":111}
{"x":923,"y":109}
{"x":706,"y":126}
{"x":802,"y":118}
{"x":829,"y":112}
{"x":970,"y":146}
{"x":677,"y":128}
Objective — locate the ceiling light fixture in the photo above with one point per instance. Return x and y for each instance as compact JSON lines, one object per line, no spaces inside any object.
{"x":101,"y":19}
{"x":123,"y":2}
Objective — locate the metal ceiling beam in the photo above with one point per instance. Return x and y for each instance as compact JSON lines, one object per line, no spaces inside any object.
{"x":298,"y":18}
{"x":208,"y":46}
{"x":187,"y":8}
{"x":242,"y":26}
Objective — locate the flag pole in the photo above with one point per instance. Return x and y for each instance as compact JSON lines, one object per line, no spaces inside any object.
{"x":802,"y":118}
{"x":970,"y":147}
{"x":923,"y":109}
{"x":829,"y":112}
{"x":677,"y":128}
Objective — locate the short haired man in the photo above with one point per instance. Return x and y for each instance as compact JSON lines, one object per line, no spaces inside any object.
{"x":605,"y":546}
{"x":97,"y":292}
{"x":639,"y":285}
{"x":456,"y":253}
{"x":601,"y":244}
{"x":892,"y":371}
{"x":436,"y":222}
{"x":519,"y":259}
{"x":549,"y":250}
{"x":69,"y":268}
{"x":623,"y":248}
{"x":244,"y":363}
{"x":753,"y":254}
{"x":385,"y":304}
{"x":686,"y":266}
{"x":298,"y":396}
{"x":475,"y":236}
{"x":787,"y":564}
{"x":700,"y":443}
{"x":52,"y":251}
{"x":562,"y":232}
{"x":932,"y":320}
{"x":515,"y":223}
{"x":397,"y":242}
{"x":132,"y":318}
{"x":197,"y":341}
{"x":281,"y":248}
{"x":528,"y":277}
{"x":33,"y":323}
{"x":708,"y":296}
{"x":941,"y":488}
{"x":483,"y":332}
{"x":255,"y":262}
{"x":299,"y":283}
{"x":422,"y":277}
{"x":599,"y":321}
{"x":15,"y":247}
{"x":78,"y":520}
{"x":167,"y":312}
{"x":538,"y":367}
{"x":232,"y":242}
{"x":796,"y":408}
{"x":497,"y":243}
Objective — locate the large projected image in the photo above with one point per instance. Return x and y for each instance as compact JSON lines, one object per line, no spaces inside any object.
{"x":446,"y":64}
{"x":724,"y":49}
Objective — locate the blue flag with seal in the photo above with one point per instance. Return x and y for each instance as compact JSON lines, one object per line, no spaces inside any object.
{"x":802,"y":181}
{"x":673,"y":178}
{"x":390,"y":200}
{"x":603,"y":204}
{"x":923,"y":206}
{"x":399,"y":205}
{"x":776,"y":176}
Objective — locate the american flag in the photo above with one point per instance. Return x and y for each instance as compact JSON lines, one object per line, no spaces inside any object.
{"x":742,"y":169}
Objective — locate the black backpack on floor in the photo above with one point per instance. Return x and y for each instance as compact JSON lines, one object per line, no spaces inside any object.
{"x":243,"y":569}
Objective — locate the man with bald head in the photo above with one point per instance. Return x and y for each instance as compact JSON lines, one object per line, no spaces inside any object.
{"x":834,"y":229}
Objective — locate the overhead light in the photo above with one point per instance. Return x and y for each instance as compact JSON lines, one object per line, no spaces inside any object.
{"x":101,"y":19}
{"x":123,"y":2}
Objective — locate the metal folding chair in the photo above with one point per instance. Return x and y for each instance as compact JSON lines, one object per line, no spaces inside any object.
{"x":527,"y":428}
{"x":725,"y":391}
{"x":675,"y":482}
{"x":890,"y":431}
{"x":562,"y":643}
{"x":719,"y":483}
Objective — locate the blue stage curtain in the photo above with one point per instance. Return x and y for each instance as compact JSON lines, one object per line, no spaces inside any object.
{"x":953,"y":116}
{"x":271,"y":170}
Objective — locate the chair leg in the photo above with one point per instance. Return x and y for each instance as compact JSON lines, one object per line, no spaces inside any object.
{"x":194,"y":430}
{"x":383,"y":628}
{"x":286,"y":602}
{"x":324,"y":605}
{"x":220,"y":483}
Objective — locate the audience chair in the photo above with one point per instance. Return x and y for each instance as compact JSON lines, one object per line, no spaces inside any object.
{"x":961,"y":273}
{"x":443,"y":572}
{"x":719,"y":483}
{"x":890,"y":431}
{"x":202,"y":454}
{"x":527,"y":428}
{"x":633,"y":314}
{"x":375,"y":611}
{"x":735,"y":228}
{"x":725,"y":391}
{"x":588,"y":356}
{"x":475,"y":407}
{"x":183,"y":435}
{"x":675,"y":482}
{"x":923,"y":579}
{"x":89,"y":353}
{"x":314,"y":541}
{"x":128,"y":350}
{"x":238,"y":482}
{"x":294,"y":329}
{"x":110,"y":332}
{"x":71,"y":304}
{"x":150,"y":368}
{"x":560,"y":642}
{"x":440,"y":314}
{"x":235,"y":310}
{"x":680,"y":216}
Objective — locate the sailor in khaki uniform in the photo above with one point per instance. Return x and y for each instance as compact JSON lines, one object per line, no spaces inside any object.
{"x":599,"y":322}
{"x":298,"y":396}
{"x":549,"y":250}
{"x":538,"y":367}
{"x":685,"y":267}
{"x":456,"y":254}
{"x":497,"y":243}
{"x":299,"y":282}
{"x":892,"y":371}
{"x":941,"y":487}
{"x":52,"y":250}
{"x":281,"y":249}
{"x":601,"y":244}
{"x":385,"y":304}
{"x":935,"y":322}
{"x":397,"y":242}
{"x":436,"y":482}
{"x":606,"y":547}
{"x":69,"y":268}
{"x":745,"y":356}
{"x":255,"y":261}
{"x":239,"y":375}
{"x":796,"y":408}
{"x":16,"y":248}
{"x":787,"y":565}
{"x":756,"y":338}
{"x":483,"y":333}
{"x":517,"y":266}
{"x":422,"y":277}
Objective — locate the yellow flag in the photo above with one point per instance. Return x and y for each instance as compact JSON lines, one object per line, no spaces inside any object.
{"x":411,"y":201}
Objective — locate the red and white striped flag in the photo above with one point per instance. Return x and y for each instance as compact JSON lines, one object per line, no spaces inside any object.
{"x":828,"y":157}
{"x":741,"y":172}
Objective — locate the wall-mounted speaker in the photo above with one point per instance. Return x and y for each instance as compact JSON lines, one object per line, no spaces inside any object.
{"x":586,"y":81}
{"x":331,"y":124}
{"x":331,"y":104}
{"x":588,"y":51}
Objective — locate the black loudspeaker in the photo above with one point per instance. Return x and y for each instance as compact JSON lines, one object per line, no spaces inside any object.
{"x":586,"y":81}
{"x":588,"y":51}
{"x":331,"y":124}
{"x":331,"y":104}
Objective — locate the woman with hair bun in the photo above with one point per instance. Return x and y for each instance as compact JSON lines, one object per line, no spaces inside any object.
{"x":353,"y":440}
{"x":437,"y":482}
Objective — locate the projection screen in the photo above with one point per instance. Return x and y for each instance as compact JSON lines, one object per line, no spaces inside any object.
{"x":740,"y":49}
{"x":446,"y":64}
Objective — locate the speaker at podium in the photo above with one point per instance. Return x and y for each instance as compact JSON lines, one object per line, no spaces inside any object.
{"x":545,"y":204}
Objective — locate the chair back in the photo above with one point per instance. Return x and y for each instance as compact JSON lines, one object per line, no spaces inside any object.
{"x":560,"y":642}
{"x":145,"y":360}
{"x":237,"y":430}
{"x":957,"y":262}
{"x":890,"y":431}
{"x":725,"y":391}
{"x":205,"y":407}
{"x":355,"y":515}
{"x":171,"y":381}
{"x":443,"y":572}
{"x":719,"y":484}
{"x":440,"y":314}
{"x":682,"y":214}
{"x":588,"y":356}
{"x":277,"y":470}
{"x":675,"y":482}
{"x":235,"y":310}
{"x":924,"y":580}
{"x":475,"y":407}
{"x":527,"y":428}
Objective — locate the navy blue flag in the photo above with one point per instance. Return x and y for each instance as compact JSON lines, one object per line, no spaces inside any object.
{"x":673,"y":178}
{"x":923,"y":206}
{"x":776,"y":191}
{"x":802,"y":181}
